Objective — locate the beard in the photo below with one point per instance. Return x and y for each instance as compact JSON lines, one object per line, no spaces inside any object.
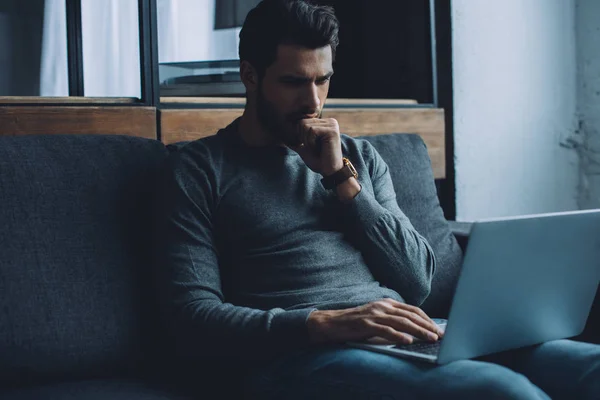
{"x":283,"y":128}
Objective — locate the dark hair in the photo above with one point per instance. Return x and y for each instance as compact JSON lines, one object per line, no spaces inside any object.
{"x":275,"y":22}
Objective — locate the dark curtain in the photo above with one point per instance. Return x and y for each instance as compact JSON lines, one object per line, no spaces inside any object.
{"x":21,"y":27}
{"x":232,"y":13}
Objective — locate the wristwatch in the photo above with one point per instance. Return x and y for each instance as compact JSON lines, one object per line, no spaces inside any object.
{"x":347,"y":171}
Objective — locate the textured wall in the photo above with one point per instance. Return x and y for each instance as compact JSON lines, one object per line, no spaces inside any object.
{"x":515,"y":107}
{"x":587,"y":143}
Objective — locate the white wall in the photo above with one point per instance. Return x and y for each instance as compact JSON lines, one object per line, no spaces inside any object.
{"x":588,"y":97}
{"x":515,"y":103}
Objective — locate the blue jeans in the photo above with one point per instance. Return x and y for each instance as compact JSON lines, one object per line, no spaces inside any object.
{"x":561,"y":369}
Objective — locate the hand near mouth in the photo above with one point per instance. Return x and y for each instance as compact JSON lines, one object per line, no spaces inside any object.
{"x":320,"y":145}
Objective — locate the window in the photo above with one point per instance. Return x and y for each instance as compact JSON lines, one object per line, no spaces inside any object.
{"x":33,"y":51}
{"x":198,"y":47}
{"x":386,"y":48}
{"x":57,"y":48}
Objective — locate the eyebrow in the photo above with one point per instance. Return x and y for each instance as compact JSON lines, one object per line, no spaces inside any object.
{"x":296,"y":78}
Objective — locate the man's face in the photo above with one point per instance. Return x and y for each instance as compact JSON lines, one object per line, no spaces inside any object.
{"x":294,"y":87}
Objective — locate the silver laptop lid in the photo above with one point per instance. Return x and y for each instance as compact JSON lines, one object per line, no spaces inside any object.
{"x":525,"y":280}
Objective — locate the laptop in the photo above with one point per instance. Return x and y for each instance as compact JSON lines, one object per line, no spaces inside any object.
{"x":524,"y":280}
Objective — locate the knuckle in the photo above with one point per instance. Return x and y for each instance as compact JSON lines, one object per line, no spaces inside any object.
{"x":367,"y":323}
{"x":420,"y":312}
{"x":386,"y":303}
{"x":387,"y":330}
{"x":377,"y":305}
{"x":412,"y":308}
{"x":378,"y":312}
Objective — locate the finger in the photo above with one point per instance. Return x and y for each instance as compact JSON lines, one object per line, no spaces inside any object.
{"x":388,"y":333}
{"x":318,"y":121}
{"x":307,"y":134}
{"x":423,"y":315}
{"x":417,"y":319}
{"x":417,"y":311}
{"x":406,"y":325}
{"x":378,"y":340}
{"x":312,"y":134}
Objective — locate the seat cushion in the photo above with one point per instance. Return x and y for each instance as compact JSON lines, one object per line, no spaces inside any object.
{"x":97,"y":390}
{"x":74,"y":265}
{"x":410,"y":168}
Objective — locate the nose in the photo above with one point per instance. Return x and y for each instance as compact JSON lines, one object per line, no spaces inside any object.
{"x":311,"y":100}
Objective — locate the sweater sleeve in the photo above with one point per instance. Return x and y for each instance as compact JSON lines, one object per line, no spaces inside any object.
{"x":397,"y":255}
{"x":189,"y":280}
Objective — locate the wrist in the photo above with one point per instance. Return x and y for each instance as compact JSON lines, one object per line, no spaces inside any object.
{"x":316,"y":325}
{"x":348,"y":189}
{"x":343,"y":174}
{"x":328,"y":171}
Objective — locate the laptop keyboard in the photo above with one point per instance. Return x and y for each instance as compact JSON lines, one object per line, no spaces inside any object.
{"x":429,"y":348}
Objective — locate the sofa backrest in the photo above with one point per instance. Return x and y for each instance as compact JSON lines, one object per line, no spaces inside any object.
{"x":75,"y":297}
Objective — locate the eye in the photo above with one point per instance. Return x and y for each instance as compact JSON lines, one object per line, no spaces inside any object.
{"x":293,"y":82}
{"x":323,"y":81}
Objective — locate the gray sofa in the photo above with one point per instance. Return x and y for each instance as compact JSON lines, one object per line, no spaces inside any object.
{"x":78,"y":316}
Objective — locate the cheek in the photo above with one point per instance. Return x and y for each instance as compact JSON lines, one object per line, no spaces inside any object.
{"x":323,"y":92}
{"x":272,"y":92}
{"x":284,"y":99}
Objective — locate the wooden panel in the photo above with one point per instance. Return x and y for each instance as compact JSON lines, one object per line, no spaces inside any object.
{"x":192,"y":124}
{"x":242,"y":101}
{"x":132,"y":121}
{"x":427,"y":122}
{"x":66,"y":100}
{"x":189,"y":124}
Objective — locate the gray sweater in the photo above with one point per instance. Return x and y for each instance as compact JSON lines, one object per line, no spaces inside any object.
{"x":253,"y":243}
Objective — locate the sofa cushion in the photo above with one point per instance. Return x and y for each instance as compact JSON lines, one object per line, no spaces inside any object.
{"x":96,"y":390}
{"x":74,"y":268}
{"x":410,"y":168}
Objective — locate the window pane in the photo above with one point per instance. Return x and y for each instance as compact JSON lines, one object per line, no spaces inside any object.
{"x":384,"y":52}
{"x":189,"y":39}
{"x":111,"y":51}
{"x":33,"y":48}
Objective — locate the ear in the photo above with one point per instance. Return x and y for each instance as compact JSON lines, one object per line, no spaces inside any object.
{"x":249,"y":76}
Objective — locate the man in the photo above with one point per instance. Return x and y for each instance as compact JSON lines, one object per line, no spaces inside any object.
{"x":283,"y":240}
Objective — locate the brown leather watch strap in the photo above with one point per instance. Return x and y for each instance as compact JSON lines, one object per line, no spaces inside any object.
{"x":347,"y":171}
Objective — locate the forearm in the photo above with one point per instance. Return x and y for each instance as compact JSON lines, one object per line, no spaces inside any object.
{"x":225,"y":331}
{"x":204,"y":324}
{"x":396,"y":253}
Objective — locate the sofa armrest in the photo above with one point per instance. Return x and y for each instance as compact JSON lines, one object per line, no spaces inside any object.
{"x":591,"y":333}
{"x":461,"y":231}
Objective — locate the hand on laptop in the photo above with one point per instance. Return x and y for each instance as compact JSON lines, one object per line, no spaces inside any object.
{"x":385,"y":320}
